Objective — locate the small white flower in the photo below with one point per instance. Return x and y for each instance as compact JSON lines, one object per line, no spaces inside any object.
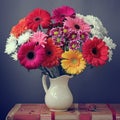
{"x":109,"y":42}
{"x":24,"y":37}
{"x":11,"y":45}
{"x":80,"y":16}
{"x":110,"y":55}
{"x":111,"y":45}
{"x":11,"y":38}
{"x":97,"y":28}
{"x":14,"y":56}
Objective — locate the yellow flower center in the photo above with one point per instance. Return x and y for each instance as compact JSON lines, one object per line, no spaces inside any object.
{"x":82,"y":36}
{"x":56,"y":33}
{"x":73,"y":46}
{"x":65,"y":30}
{"x":58,"y":39}
{"x":73,"y":36}
{"x":74,"y":60}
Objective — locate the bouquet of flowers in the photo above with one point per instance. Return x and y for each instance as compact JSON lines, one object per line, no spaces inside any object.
{"x":64,"y":42}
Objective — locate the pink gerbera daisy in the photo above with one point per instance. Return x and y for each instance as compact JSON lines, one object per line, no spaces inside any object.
{"x":31,"y":55}
{"x":39,"y":37}
{"x":95,"y":52}
{"x":36,"y":18}
{"x":60,"y":13}
{"x":77,"y":24}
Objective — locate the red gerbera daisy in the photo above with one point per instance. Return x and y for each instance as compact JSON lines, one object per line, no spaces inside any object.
{"x":60,"y":13}
{"x":95,"y":52}
{"x":53,"y":54}
{"x":31,"y":55}
{"x":38,"y":17}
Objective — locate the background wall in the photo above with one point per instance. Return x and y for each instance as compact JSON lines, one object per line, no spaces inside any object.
{"x":17,"y":85}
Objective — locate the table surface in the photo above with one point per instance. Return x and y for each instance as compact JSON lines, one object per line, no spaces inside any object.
{"x":77,"y":111}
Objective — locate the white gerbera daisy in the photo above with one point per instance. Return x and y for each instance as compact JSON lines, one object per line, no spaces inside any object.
{"x":11,"y":38}
{"x":24,"y":37}
{"x":97,"y":28}
{"x":110,"y":55}
{"x":14,"y":56}
{"x":111,"y":45}
{"x":109,"y":42}
{"x":11,"y":45}
{"x":80,"y":16}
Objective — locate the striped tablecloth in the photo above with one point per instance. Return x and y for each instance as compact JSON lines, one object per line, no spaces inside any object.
{"x":76,"y":112}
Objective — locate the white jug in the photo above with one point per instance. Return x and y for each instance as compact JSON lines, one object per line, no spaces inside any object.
{"x":58,"y":96}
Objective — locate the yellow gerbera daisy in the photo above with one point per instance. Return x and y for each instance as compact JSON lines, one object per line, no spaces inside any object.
{"x":73,"y":62}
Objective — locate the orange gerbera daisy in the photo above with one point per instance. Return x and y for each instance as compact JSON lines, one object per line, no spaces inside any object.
{"x":73,"y":62}
{"x":18,"y":29}
{"x":53,"y":54}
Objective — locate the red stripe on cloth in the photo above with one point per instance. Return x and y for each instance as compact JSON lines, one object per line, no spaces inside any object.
{"x":52,"y":115}
{"x":85,"y":116}
{"x":84,"y":113}
{"x":112,"y":111}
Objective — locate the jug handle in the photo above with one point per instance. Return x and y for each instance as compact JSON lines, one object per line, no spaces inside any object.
{"x":44,"y":77}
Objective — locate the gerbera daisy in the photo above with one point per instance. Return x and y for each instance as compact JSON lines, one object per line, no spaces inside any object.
{"x":14,"y":56}
{"x":39,"y":37}
{"x":73,"y":62}
{"x":111,"y":45}
{"x":60,"y":13}
{"x":77,"y":24}
{"x":52,"y":54}
{"x":18,"y":29}
{"x":95,"y":52}
{"x":36,"y":18}
{"x":24,"y":37}
{"x":31,"y":55}
{"x":97,"y":29}
{"x":109,"y":42}
{"x":11,"y":44}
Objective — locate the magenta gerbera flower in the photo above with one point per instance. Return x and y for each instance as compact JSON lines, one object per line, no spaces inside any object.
{"x":60,"y":13}
{"x":95,"y":52}
{"x":39,"y":37}
{"x":31,"y":55}
{"x":77,"y":24}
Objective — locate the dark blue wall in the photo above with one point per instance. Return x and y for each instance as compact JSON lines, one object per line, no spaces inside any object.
{"x":17,"y":85}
